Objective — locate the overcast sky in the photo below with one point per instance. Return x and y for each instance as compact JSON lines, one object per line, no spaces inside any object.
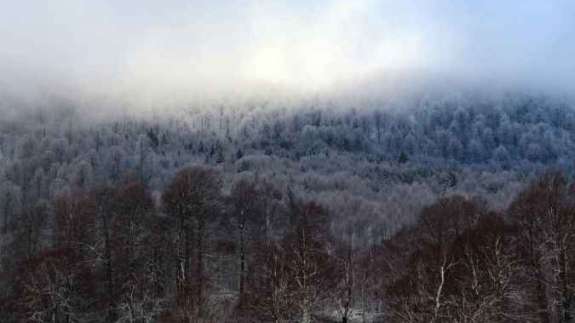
{"x":177,"y":48}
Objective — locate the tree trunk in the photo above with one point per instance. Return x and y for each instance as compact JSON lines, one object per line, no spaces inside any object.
{"x":109,"y":270}
{"x":6,"y":216}
{"x":242,"y":260}
{"x":306,"y":314}
{"x":200,"y":266}
{"x":541,"y":299}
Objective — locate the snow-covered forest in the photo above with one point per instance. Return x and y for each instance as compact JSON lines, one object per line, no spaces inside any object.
{"x":287,"y":161}
{"x":434,"y":211}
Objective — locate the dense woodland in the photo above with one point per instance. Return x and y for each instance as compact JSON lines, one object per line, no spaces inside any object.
{"x":451,"y":210}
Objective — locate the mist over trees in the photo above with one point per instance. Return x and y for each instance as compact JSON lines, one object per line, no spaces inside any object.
{"x":436,"y":211}
{"x":51,"y":151}
{"x":364,"y":161}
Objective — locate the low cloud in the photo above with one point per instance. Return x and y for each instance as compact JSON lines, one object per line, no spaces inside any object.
{"x":148,"y":53}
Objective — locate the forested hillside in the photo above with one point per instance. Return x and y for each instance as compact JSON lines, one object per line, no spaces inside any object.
{"x":287,"y":161}
{"x":427,"y":210}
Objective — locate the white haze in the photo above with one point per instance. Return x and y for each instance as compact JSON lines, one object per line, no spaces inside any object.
{"x":149,"y":54}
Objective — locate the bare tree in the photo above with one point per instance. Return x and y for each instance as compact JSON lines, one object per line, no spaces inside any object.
{"x":546,"y":215}
{"x":192,"y":198}
{"x":247,"y":211}
{"x":309,"y":261}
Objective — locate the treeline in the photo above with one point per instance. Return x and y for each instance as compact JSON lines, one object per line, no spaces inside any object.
{"x":52,"y":149}
{"x":487,"y":147}
{"x":256,"y":253}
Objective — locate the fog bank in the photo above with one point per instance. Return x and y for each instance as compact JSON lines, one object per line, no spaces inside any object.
{"x":145,"y":54}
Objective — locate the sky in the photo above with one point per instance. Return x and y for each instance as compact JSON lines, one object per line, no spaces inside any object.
{"x":151,"y":51}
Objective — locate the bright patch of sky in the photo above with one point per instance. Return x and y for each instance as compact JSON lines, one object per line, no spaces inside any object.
{"x":177,"y":47}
